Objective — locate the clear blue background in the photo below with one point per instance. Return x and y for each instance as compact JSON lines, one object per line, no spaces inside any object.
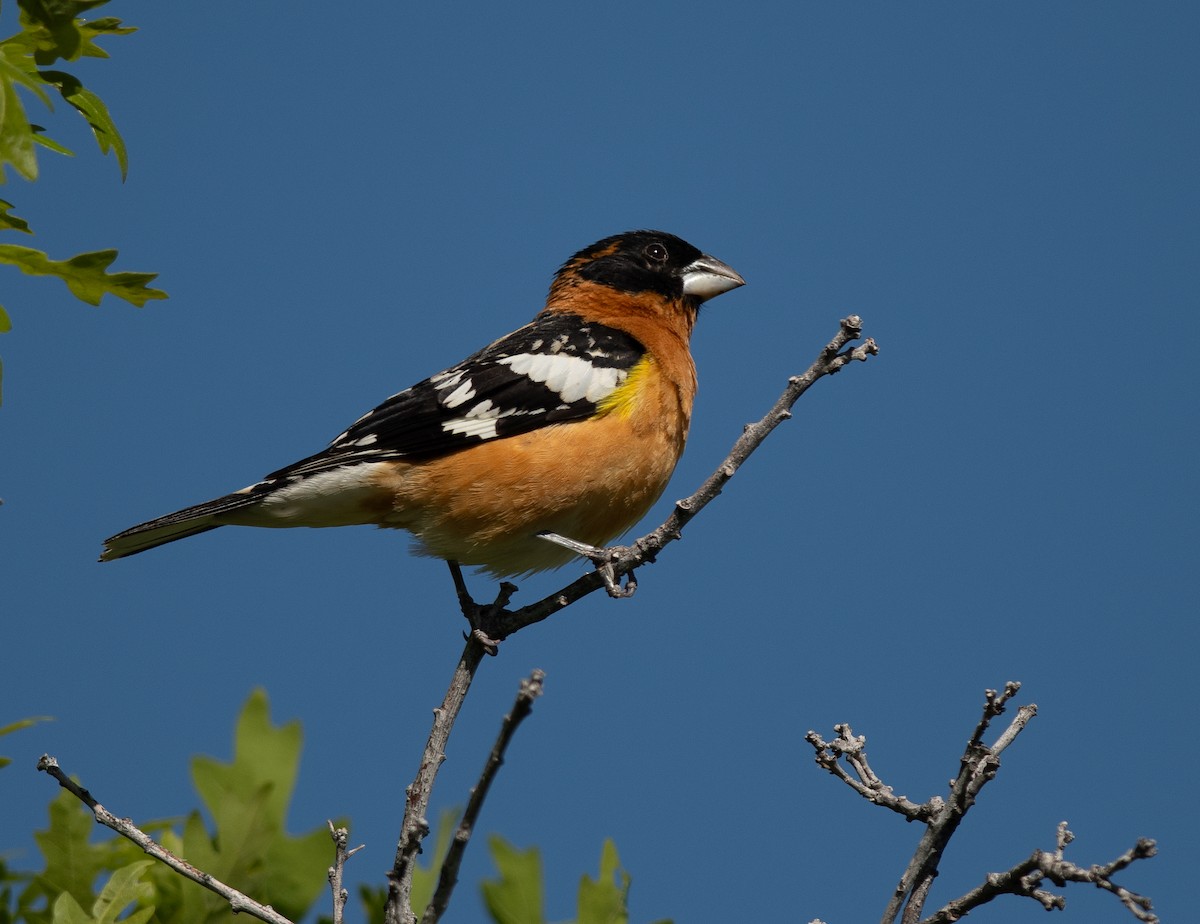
{"x":344,"y":199}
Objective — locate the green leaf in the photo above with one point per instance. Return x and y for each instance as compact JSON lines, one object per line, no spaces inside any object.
{"x":67,"y":910}
{"x":34,"y":720}
{"x":248,"y":800}
{"x":39,"y":137}
{"x":21,"y":723}
{"x":265,"y":761}
{"x":17,"y":67}
{"x":124,"y":888}
{"x":604,"y":900}
{"x":16,"y":137}
{"x":91,"y":29}
{"x":54,"y":27}
{"x":9,"y":222}
{"x":72,"y":863}
{"x":92,"y":108}
{"x":516,"y":897}
{"x":85,"y":274}
{"x":249,"y":846}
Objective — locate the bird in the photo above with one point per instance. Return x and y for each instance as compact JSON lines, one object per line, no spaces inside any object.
{"x":567,"y":429}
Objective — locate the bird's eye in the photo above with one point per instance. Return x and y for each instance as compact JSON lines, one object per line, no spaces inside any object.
{"x":656,"y":252}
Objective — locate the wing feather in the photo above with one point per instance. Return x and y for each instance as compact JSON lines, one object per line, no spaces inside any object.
{"x":557,"y":369}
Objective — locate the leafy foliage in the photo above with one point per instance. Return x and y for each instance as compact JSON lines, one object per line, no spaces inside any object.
{"x":247,"y":800}
{"x":50,"y":31}
{"x":92,"y":108}
{"x":12,"y":222}
{"x":124,"y":888}
{"x":249,"y":848}
{"x":517,"y":896}
{"x":53,"y":30}
{"x":86,"y":274}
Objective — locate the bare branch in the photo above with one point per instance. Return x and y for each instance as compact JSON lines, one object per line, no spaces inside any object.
{"x":341,"y":838}
{"x":492,"y":623}
{"x":238,"y":901}
{"x":500,"y":623}
{"x":415,"y":827}
{"x":1025,"y":879}
{"x":531,"y":689}
{"x":868,"y":785}
{"x":978,"y":765}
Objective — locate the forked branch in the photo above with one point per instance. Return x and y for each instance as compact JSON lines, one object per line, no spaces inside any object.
{"x":845,"y":757}
{"x":492,"y":623}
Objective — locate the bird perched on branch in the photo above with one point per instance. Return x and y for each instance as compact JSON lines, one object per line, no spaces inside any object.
{"x":568,"y":428}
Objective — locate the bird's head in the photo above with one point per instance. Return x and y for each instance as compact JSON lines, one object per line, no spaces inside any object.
{"x":648,"y":263}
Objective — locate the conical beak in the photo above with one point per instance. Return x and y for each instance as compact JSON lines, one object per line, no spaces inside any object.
{"x":707,"y":277}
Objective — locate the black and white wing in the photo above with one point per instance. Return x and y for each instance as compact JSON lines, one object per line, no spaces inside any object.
{"x":556,"y":369}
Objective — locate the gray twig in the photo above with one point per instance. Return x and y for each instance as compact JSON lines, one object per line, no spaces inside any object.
{"x":499,"y":622}
{"x":414,"y":826}
{"x":238,"y":901}
{"x":341,"y":839}
{"x":1025,"y":878}
{"x":531,"y":689}
{"x":492,"y":623}
{"x":864,"y":782}
{"x":977,"y":767}
{"x":942,"y":817}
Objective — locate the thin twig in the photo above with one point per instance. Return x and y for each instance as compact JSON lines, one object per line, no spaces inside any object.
{"x":238,"y":901}
{"x":977,"y":767}
{"x":531,"y":689}
{"x":1025,"y":879}
{"x":491,"y":624}
{"x":500,"y":623}
{"x":341,"y":838}
{"x":415,"y":827}
{"x":853,"y":750}
{"x":979,"y":764}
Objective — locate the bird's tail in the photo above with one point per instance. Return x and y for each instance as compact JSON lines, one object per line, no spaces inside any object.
{"x":178,"y":525}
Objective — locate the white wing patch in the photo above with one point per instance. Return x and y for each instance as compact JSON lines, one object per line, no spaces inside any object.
{"x":465,"y":392}
{"x":447,"y":379}
{"x":570,"y":377}
{"x":479,"y":421}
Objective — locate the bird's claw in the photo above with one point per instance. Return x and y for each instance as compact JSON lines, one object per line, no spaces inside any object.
{"x":481,"y":615}
{"x":603,"y":560}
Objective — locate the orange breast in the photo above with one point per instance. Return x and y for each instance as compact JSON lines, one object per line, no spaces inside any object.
{"x":591,"y":481}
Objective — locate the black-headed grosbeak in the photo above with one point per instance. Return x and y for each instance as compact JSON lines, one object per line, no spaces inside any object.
{"x":571,"y":425}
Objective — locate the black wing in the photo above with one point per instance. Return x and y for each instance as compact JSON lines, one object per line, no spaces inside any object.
{"x":556,"y":369}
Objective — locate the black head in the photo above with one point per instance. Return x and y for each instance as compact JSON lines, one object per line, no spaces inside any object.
{"x":651,"y":261}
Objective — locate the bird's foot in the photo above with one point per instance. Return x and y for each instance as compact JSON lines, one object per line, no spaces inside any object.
{"x":603,"y":560}
{"x":481,"y":616}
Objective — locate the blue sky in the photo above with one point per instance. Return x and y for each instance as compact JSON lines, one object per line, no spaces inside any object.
{"x":341,"y":201}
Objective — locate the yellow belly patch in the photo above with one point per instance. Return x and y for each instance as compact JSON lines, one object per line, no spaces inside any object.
{"x":625,"y":398}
